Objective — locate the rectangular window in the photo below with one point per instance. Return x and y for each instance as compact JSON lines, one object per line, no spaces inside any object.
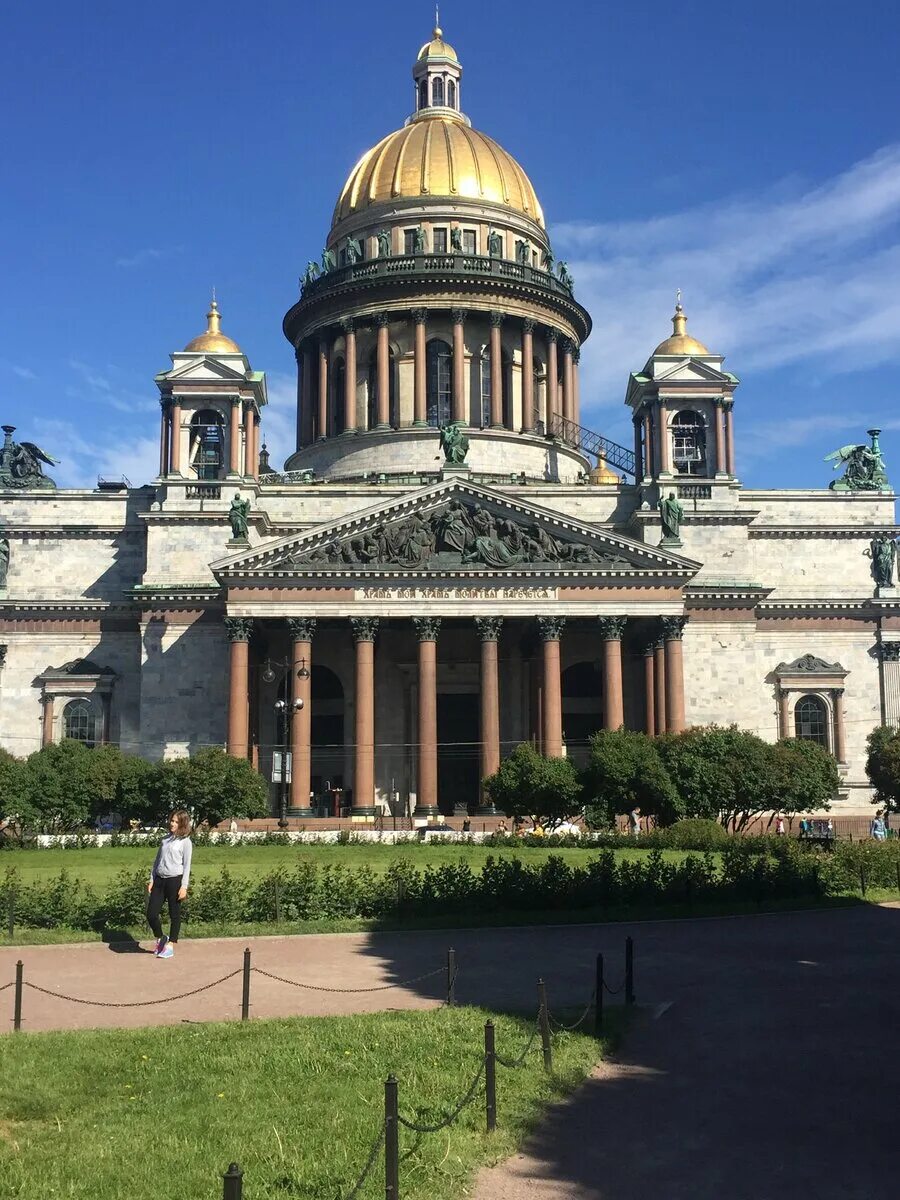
{"x":439,"y":241}
{"x":469,"y":241}
{"x":409,"y":241}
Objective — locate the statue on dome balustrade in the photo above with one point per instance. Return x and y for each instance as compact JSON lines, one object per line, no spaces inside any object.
{"x":418,"y":240}
{"x":328,"y":261}
{"x":523,"y":251}
{"x":495,"y":243}
{"x":354,"y":250}
{"x":456,"y":240}
{"x":865,"y":470}
{"x":311,"y":274}
{"x":564,"y":275}
{"x":384,"y":243}
{"x":547,"y":259}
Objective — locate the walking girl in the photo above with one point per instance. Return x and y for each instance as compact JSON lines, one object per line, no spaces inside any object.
{"x":169,"y":880}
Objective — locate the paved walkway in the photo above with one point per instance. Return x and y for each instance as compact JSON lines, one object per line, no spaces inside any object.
{"x":764,"y":1063}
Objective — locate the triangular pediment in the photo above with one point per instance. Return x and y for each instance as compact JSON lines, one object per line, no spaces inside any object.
{"x":688,"y":370}
{"x":206,"y":370}
{"x":454,"y":527}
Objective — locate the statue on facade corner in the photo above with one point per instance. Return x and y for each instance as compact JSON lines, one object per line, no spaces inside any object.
{"x":237,"y":515}
{"x":384,"y":243}
{"x":4,"y":561}
{"x":20,"y":463}
{"x":865,"y":470}
{"x":671,"y":514}
{"x":883,"y":553}
{"x":454,"y":444}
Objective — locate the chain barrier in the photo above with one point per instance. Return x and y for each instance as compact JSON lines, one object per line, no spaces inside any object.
{"x":7,"y":985}
{"x":131,"y":1003}
{"x":313,"y":987}
{"x":513,"y":1064}
{"x":559,"y":1027}
{"x":451,"y":1117}
{"x":370,"y":1163}
{"x":613,"y":991}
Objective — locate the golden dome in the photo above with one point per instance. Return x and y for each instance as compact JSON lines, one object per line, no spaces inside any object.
{"x":680,"y":343}
{"x":437,"y":47}
{"x":601,"y":474}
{"x":437,"y":156}
{"x":214,"y":341}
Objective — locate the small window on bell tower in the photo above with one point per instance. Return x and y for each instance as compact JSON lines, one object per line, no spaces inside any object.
{"x":689,"y":443}
{"x":423,"y":93}
{"x":451,"y":93}
{"x":437,"y":93}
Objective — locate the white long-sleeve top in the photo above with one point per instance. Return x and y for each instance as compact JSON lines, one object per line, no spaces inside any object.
{"x":173,"y":858}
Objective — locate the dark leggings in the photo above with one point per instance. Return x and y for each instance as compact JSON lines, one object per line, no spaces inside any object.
{"x":165,"y":887}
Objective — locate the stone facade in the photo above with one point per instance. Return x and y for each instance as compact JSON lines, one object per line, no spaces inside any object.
{"x":559,"y":605}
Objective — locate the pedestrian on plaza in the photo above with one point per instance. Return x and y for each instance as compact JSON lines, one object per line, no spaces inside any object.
{"x":779,"y":826}
{"x":170,"y":878}
{"x":877,"y":829}
{"x":804,"y":827}
{"x":501,"y":830}
{"x":634,"y":822}
{"x":467,"y":825}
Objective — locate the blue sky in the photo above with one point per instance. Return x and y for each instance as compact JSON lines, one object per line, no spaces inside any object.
{"x":748,"y":154}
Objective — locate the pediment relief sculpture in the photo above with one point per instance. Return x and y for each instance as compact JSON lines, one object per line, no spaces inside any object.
{"x":452,"y":535}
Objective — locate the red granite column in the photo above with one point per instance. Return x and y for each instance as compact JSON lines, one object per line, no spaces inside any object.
{"x":527,"y":375}
{"x":427,"y":629}
{"x":364,"y":630}
{"x":163,"y":438}
{"x":349,"y":376}
{"x":306,"y":415}
{"x":673,"y":629}
{"x":576,"y":385}
{"x":729,"y":437}
{"x":420,"y":401}
{"x":383,"y":372}
{"x":784,"y":720}
{"x":611,"y":630}
{"x":648,"y":442}
{"x":552,"y":379}
{"x":459,"y":366}
{"x":301,"y":630}
{"x":489,"y":632}
{"x":721,"y":463}
{"x":662,"y":429}
{"x":496,"y":319}
{"x":840,"y":742}
{"x":649,"y":690}
{"x":47,"y":721}
{"x":175,"y":436}
{"x":322,"y":431}
{"x":238,"y":630}
{"x":234,"y":438}
{"x":568,"y":405}
{"x":659,"y":675}
{"x":638,"y":449}
{"x":550,"y":629}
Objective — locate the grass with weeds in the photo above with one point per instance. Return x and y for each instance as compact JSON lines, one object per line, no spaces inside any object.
{"x":298,"y":1103}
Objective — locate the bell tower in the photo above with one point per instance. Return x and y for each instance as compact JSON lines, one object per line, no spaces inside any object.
{"x":682,"y":406}
{"x":437,"y":73}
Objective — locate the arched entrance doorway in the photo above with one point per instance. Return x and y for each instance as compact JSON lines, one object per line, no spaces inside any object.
{"x":582,"y":705}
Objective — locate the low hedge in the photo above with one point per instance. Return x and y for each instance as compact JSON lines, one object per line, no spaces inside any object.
{"x":310,"y":892}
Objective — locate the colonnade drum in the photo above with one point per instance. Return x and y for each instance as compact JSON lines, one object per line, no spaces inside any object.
{"x":411,"y":715}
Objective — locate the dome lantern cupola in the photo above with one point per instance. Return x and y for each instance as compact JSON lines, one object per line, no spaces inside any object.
{"x":437,"y":73}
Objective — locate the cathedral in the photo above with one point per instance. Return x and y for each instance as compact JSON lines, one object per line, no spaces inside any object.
{"x":449,"y":563}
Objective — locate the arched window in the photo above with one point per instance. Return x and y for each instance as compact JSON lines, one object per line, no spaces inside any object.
{"x":451,"y":93}
{"x":423,"y":93}
{"x":339,"y":376}
{"x":439,"y":387}
{"x":372,"y":391}
{"x":505,"y":389}
{"x":811,"y":720}
{"x":207,"y":445}
{"x":689,"y":443}
{"x":80,"y":722}
{"x":437,"y":92}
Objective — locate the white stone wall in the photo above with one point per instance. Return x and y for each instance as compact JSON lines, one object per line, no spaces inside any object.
{"x":183,"y":687}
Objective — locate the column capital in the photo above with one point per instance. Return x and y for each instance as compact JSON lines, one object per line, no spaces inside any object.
{"x":727,"y":404}
{"x":298,"y":354}
{"x":567,"y":345}
{"x":576,"y":355}
{"x":553,"y":335}
{"x":427,"y":628}
{"x":364,"y":628}
{"x":652,"y":643}
{"x":889,"y":651}
{"x":302,"y":629}
{"x":612,"y":628}
{"x":458,"y":315}
{"x":673,"y":628}
{"x":837,"y":693}
{"x":382,"y":320}
{"x":236,"y":401}
{"x":528,"y":325}
{"x":238,"y":629}
{"x":165,"y":403}
{"x":550,"y":628}
{"x":489,"y":628}
{"x":348,"y":325}
{"x":496,"y":319}
{"x":420,"y":315}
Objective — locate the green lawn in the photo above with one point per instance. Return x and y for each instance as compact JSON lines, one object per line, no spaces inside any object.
{"x":99,"y":866}
{"x":106,"y":1114}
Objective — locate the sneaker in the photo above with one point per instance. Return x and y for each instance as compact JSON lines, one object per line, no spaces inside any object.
{"x":160,"y":945}
{"x":168,"y":951}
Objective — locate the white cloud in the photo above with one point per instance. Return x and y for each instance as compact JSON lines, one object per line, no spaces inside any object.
{"x":792,"y":276}
{"x":112,"y":455}
{"x":279,"y":417}
{"x":17,"y":369}
{"x":149,"y":254}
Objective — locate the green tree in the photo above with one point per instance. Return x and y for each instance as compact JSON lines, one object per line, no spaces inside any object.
{"x":527,"y":784}
{"x":14,"y":802}
{"x":883,"y":765}
{"x":213,"y":785}
{"x":805,"y":776}
{"x":58,"y":792}
{"x":624,"y":772}
{"x":721,"y":772}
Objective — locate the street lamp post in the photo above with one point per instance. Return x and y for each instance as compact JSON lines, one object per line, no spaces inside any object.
{"x":284,"y":710}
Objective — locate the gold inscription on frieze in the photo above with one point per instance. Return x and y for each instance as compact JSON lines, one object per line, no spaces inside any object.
{"x":460,"y":593}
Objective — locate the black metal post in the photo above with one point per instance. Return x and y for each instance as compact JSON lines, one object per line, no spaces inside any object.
{"x":17,"y":1006}
{"x":629,"y":971}
{"x":391,"y":1140}
{"x":490,"y":1076}
{"x":233,"y":1183}
{"x":451,"y":977}
{"x":598,"y":1003}
{"x":245,"y":994}
{"x":544,"y":1023}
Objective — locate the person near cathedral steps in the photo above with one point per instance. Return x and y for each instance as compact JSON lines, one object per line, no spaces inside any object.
{"x":170,"y":878}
